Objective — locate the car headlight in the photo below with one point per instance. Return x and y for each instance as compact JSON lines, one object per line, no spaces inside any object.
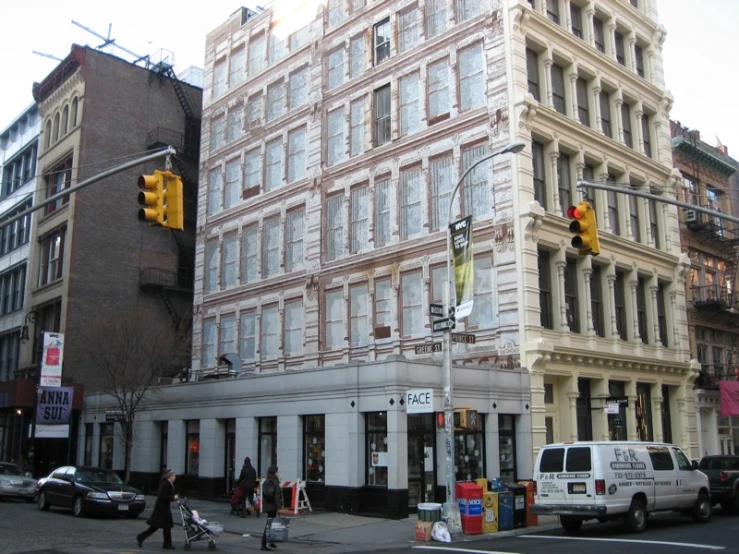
{"x":97,"y":496}
{"x":140,"y":497}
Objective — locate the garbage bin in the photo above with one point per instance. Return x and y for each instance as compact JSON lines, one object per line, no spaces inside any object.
{"x":531,"y":519}
{"x":519,"y":504}
{"x":469,"y":497}
{"x":429,"y":511}
{"x":505,"y":511}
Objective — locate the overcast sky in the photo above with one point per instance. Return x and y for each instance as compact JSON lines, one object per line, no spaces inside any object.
{"x":700,"y":53}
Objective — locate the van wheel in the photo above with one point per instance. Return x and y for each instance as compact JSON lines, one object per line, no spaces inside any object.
{"x":570,"y":524}
{"x":702,"y":509}
{"x":636,"y":517}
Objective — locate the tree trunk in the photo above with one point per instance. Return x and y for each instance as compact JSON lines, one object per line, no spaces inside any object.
{"x":128,"y":436}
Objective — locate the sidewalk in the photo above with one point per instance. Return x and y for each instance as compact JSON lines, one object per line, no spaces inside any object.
{"x":332,"y":531}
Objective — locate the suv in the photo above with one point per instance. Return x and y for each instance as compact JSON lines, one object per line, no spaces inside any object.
{"x":608,"y":480}
{"x":723,"y":478}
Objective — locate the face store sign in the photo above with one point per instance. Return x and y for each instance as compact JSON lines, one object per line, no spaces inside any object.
{"x":420,"y":401}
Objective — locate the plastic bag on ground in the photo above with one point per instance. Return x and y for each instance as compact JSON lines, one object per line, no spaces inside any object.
{"x":440,"y":532}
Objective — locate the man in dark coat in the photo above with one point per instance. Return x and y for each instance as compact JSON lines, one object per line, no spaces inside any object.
{"x":247,"y":480}
{"x":161,"y":515}
{"x":270,"y":503}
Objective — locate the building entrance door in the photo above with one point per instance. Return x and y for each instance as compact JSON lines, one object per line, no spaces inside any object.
{"x":421,"y":459}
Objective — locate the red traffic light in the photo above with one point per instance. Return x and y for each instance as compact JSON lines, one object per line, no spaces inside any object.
{"x":574,"y":213}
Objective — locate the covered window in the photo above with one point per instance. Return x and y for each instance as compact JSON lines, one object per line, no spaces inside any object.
{"x":256,"y":55}
{"x":236,"y":67}
{"x":411,"y":202}
{"x":294,"y":249}
{"x":220,"y":86}
{"x":382,"y":212}
{"x":273,"y":164}
{"x":356,"y":53}
{"x":410,"y":111}
{"x":247,"y":336}
{"x":334,"y":227}
{"x":358,"y":315}
{"x":298,"y":87}
{"x":439,"y":98}
{"x":294,"y":328}
{"x":335,"y":129}
{"x":411,"y":300}
{"x":471,"y":83}
{"x":230,"y":261}
{"x":296,"y":156}
{"x":270,"y":332}
{"x":359,"y":223}
{"x":249,"y":253}
{"x":409,"y":29}
{"x":334,"y":319}
{"x":271,"y":246}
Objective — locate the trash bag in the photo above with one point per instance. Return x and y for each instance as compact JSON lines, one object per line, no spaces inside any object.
{"x":440,"y":532}
{"x":278,"y":529}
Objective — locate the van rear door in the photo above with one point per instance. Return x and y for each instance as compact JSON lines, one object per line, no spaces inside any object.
{"x":566,"y":475}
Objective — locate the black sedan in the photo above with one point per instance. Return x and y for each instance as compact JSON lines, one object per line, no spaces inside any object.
{"x":90,"y":490}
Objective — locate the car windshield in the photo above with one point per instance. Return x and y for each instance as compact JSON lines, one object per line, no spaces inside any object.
{"x":97,"y":476}
{"x":10,"y":469}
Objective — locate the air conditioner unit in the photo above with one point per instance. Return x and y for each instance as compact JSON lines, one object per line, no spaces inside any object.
{"x":691,"y":216}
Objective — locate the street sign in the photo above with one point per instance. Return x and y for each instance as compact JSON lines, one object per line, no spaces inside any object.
{"x":463,"y":338}
{"x":446,"y":324}
{"x":436,"y":310}
{"x":428,"y":348}
{"x":112,"y":416}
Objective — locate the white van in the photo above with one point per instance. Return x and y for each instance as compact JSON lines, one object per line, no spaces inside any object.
{"x":607,"y":480}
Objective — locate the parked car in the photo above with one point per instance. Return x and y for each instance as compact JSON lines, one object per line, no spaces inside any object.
{"x":723,"y":478}
{"x":617,"y":480}
{"x":90,"y":491}
{"x":14,"y":482}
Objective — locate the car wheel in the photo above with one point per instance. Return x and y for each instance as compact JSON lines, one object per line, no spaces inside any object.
{"x":702,"y":509}
{"x":77,"y":508}
{"x":570,"y":524}
{"x":42,"y":503}
{"x":636,"y":517}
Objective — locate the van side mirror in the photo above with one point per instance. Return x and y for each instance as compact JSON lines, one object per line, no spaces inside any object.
{"x":694,"y":465}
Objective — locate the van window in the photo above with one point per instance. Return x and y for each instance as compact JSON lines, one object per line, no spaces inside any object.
{"x":578,"y":459}
{"x":682,"y":460}
{"x":552,"y":460}
{"x":661,"y":459}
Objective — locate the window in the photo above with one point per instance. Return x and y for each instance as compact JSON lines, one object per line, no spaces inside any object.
{"x":439,"y":100}
{"x":471,"y":84}
{"x":247,"y":339}
{"x":578,"y":457}
{"x":382,"y":212}
{"x":436,"y":17}
{"x":359,"y":223}
{"x":334,"y":319}
{"x":336,"y":145}
{"x":356,"y":132}
{"x":545,"y":290}
{"x":211,"y":266}
{"x":598,"y":35}
{"x":634,"y":218}
{"x":230,"y":261}
{"x":639,"y":59}
{"x":299,"y":39}
{"x":65,"y":120}
{"x":563,"y":182}
{"x":232,"y":188}
{"x":661,"y":459}
{"x":336,"y":12}
{"x":620,"y":303}
{"x":236,"y":67}
{"x":358,"y":315}
{"x":576,"y":19}
{"x":382,"y":115}
{"x":532,"y":71}
{"x":605,"y":114}
{"x":277,"y":48}
{"x":620,"y":51}
{"x":217,"y":132}
{"x":583,"y":113}
{"x":273,"y":164}
{"x":572,"y":305}
{"x":256,"y":55}
{"x":596,"y":301}
{"x":409,"y":29}
{"x":219,"y":78}
{"x":552,"y":460}
{"x":12,"y":289}
{"x":467,"y":9}
{"x":52,"y":257}
{"x":558,"y":89}
{"x":383,"y":295}
{"x":553,"y":11}
{"x":335,"y":68}
{"x":653,"y":223}
{"x":410,"y":113}
{"x":641,"y":309}
{"x":267,"y":444}
{"x":540,"y":191}
{"x":356,"y":52}
{"x":662,"y":315}
{"x":411,"y":300}
{"x":613,"y":215}
{"x":643,"y":410}
{"x":252,"y":172}
{"x":15,"y":234}
{"x":626,"y":119}
{"x":483,"y":305}
{"x":314,"y":456}
{"x":255,"y":108}
{"x":234,"y":127}
{"x":58,"y":180}
{"x":271,"y":246}
{"x":296,"y":158}
{"x":476,"y":189}
{"x":105,"y":456}
{"x":646,"y":135}
{"x":334,"y":227}
{"x":270,"y":332}
{"x":376,"y":446}
{"x":298,"y":87}
{"x":294,"y":249}
{"x":275,"y":100}
{"x":209,"y":343}
{"x":227,"y":334}
{"x":411,"y":198}
{"x":75,"y":108}
{"x":442,"y":183}
{"x":382,"y":41}
{"x":294,"y":328}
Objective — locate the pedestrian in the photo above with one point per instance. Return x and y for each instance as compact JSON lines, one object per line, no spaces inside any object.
{"x":161,"y":515}
{"x":271,"y":501}
{"x":247,"y":480}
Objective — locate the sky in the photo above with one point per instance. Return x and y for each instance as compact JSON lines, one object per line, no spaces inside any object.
{"x":700,"y":53}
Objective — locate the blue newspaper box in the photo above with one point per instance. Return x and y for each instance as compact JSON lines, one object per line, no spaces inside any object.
{"x":505,"y":511}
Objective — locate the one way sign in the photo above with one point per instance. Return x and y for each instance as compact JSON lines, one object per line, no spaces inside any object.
{"x":446,"y":324}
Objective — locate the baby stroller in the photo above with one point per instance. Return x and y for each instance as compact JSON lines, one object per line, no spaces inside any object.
{"x":197,"y":528}
{"x":236,"y":497}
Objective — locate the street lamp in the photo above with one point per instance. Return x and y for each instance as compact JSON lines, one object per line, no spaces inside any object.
{"x":513,"y":148}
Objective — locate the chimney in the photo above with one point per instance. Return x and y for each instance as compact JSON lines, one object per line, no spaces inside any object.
{"x":723,"y":149}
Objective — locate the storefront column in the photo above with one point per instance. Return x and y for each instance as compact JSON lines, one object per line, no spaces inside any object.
{"x":290,"y":447}
{"x":631,"y":431}
{"x":538,"y":416}
{"x":247,"y":443}
{"x":688,"y":431}
{"x":572,"y":394}
{"x":95,"y":461}
{"x":176,"y":447}
{"x":657,"y":407}
{"x":344,"y":450}
{"x":492,"y":448}
{"x":212,"y":442}
{"x":397,"y":448}
{"x":599,"y":394}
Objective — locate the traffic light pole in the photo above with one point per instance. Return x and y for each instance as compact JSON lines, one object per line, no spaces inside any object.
{"x":169,"y":151}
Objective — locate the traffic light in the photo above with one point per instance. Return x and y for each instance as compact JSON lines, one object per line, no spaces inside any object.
{"x":468,"y":418}
{"x":162,"y":198}
{"x":583,"y":223}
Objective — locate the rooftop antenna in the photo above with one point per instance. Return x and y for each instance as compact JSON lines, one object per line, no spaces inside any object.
{"x":47,"y":55}
{"x":111,"y":42}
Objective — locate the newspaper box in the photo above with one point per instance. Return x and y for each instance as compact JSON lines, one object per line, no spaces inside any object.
{"x":469,"y":497}
{"x":490,"y":512}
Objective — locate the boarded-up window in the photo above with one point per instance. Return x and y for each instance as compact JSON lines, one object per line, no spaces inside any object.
{"x":442,"y":184}
{"x":382,"y":212}
{"x":293,"y":328}
{"x":270,"y":331}
{"x":360,"y":208}
{"x":335,"y":319}
{"x":476,"y":188}
{"x":249,"y":254}
{"x":358,"y":315}
{"x":271,"y":247}
{"x":411,"y":202}
{"x":294,"y":254}
{"x":334,"y":227}
{"x":247,"y":331}
{"x":230,"y":261}
{"x":273,"y":167}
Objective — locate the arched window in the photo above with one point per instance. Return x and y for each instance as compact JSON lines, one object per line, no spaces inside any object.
{"x":74,"y":112}
{"x":65,"y":120}
{"x":47,"y":132}
{"x":56,"y":127}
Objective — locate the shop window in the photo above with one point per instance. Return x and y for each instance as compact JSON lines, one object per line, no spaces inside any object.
{"x":666,"y":419}
{"x":596,"y":301}
{"x":376,"y":448}
{"x":163,"y":444}
{"x":584,"y":413}
{"x":620,"y":302}
{"x":314,"y":448}
{"x":192,"y":444}
{"x":617,"y":421}
{"x":267,"y":444}
{"x":545,"y":291}
{"x":107,"y":438}
{"x":469,"y":452}
{"x":644,"y":412}
{"x":572,"y":303}
{"x":507,"y":448}
{"x":88,"y":443}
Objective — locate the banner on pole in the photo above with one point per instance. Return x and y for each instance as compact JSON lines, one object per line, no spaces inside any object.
{"x":464,"y":271}
{"x":51,"y":360}
{"x":729,"y":398}
{"x":54,"y":405}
